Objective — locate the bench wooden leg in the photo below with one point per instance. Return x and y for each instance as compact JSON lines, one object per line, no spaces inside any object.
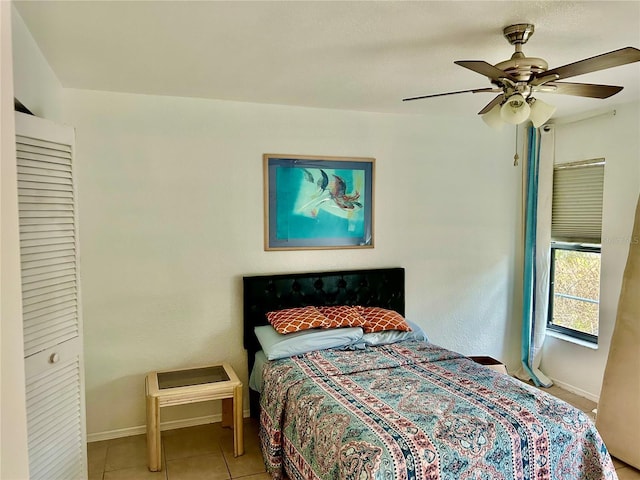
{"x":154,"y":450}
{"x":238,"y":435}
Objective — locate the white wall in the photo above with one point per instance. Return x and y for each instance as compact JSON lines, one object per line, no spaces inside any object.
{"x":171,"y":217}
{"x":616,"y":139}
{"x":35,"y":83}
{"x":13,"y":420}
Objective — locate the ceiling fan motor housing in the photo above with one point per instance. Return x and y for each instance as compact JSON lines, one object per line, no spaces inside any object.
{"x":519,"y":66}
{"x":523,"y":68}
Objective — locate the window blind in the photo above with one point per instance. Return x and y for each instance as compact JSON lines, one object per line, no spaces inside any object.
{"x":577,"y":202}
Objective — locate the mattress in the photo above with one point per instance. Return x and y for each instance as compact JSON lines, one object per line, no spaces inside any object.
{"x":255,"y":377}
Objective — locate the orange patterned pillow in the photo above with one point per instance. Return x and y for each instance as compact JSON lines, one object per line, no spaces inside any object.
{"x":295,"y":319}
{"x":379,"y":319}
{"x":342,"y":316}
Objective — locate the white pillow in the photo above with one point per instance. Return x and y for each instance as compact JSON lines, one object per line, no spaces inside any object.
{"x":392,"y":336}
{"x":276,"y":345}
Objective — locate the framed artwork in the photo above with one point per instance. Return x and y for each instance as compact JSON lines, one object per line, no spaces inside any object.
{"x":316,"y":202}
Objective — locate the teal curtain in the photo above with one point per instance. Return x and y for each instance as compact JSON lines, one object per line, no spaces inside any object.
{"x":529,"y":281}
{"x":538,"y":184}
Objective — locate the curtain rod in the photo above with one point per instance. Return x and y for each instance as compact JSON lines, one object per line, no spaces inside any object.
{"x":577,"y":119}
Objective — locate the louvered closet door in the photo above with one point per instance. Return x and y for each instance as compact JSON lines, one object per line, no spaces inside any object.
{"x":50,"y":297}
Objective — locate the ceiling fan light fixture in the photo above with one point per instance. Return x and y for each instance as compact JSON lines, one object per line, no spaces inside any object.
{"x":493,"y":118}
{"x":540,"y":112}
{"x":515,"y":110}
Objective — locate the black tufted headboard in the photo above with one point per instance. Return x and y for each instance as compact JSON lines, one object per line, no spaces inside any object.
{"x":380,"y":287}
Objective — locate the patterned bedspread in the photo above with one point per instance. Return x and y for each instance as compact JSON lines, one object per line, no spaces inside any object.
{"x":413,"y":410}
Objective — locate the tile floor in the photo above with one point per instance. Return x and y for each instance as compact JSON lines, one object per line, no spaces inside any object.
{"x":206,"y":452}
{"x":194,"y":453}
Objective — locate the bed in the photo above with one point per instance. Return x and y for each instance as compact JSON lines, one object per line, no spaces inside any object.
{"x":402,"y":409}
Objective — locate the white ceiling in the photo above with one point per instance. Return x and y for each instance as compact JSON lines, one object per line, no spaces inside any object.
{"x":353,"y":55}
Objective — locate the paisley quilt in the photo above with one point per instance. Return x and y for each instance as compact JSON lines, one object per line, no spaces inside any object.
{"x":413,"y":410}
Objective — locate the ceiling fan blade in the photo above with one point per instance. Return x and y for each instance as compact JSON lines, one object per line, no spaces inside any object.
{"x":491,"y":104}
{"x":484,"y":68}
{"x":582,"y":89}
{"x":475,"y":90}
{"x":600,"y":62}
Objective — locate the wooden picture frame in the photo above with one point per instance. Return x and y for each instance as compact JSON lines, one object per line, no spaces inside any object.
{"x":315,"y":202}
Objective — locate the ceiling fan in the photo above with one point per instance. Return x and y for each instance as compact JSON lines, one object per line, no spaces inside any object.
{"x":517,"y":79}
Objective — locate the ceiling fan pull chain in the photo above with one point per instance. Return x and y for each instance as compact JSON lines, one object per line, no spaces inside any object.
{"x":516,"y":157}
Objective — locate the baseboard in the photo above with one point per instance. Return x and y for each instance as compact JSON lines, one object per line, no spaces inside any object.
{"x":576,"y":390}
{"x":142,"y":429}
{"x":192,"y":422}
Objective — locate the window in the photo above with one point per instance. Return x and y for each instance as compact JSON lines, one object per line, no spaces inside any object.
{"x":575,"y":290}
{"x":574,"y":293}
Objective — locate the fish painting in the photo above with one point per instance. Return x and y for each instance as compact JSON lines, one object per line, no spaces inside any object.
{"x":318,"y":202}
{"x":334,"y":192}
